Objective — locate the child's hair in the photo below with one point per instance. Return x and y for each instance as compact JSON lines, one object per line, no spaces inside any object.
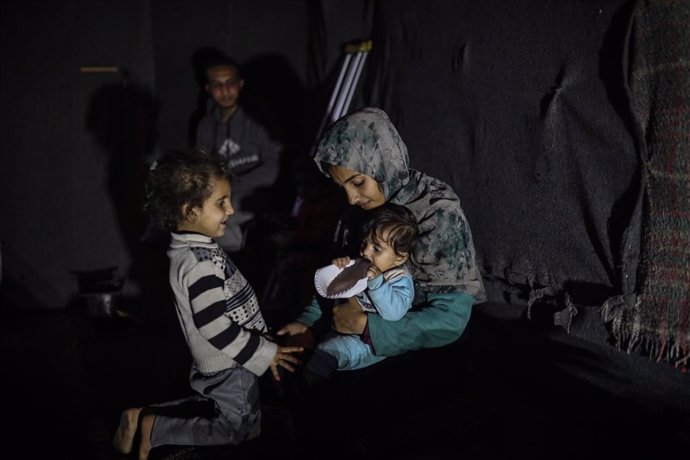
{"x":179,"y":178}
{"x":401,"y":224}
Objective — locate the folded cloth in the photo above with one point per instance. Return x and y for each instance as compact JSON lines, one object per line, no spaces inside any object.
{"x":659,"y":319}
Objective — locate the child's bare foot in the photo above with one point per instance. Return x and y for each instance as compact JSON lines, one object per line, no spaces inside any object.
{"x":124,"y":436}
{"x":146,"y":429}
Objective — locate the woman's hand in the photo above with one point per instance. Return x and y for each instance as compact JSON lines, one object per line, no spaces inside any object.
{"x":293,"y":328}
{"x":348,"y":317}
{"x":284,"y":359}
{"x":341,"y":262}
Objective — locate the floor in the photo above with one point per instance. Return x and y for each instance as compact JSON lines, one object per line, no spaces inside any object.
{"x":501,"y":392}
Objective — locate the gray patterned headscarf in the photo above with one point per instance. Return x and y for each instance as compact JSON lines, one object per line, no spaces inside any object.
{"x":444,"y":259}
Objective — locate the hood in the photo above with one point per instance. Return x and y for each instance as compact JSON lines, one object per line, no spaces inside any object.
{"x":367,"y":142}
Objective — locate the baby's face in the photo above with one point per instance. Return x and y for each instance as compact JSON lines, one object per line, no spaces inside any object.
{"x":377,"y":250}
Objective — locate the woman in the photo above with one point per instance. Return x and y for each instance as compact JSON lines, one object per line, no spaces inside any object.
{"x":364,"y":154}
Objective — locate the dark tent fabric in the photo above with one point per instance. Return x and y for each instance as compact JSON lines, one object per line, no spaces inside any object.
{"x":562,"y":125}
{"x":527,"y":122}
{"x":524,"y":107}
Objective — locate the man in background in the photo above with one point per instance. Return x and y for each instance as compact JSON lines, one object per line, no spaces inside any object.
{"x":251,"y":153}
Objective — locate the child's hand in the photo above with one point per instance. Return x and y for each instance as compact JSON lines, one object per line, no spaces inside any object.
{"x":341,"y":262}
{"x":284,"y":359}
{"x":373,"y":272}
{"x":294,"y":328}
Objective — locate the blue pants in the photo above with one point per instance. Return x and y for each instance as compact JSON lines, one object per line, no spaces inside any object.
{"x":349,"y":350}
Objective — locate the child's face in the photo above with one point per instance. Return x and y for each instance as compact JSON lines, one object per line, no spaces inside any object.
{"x":211,"y":219}
{"x":379,"y":252}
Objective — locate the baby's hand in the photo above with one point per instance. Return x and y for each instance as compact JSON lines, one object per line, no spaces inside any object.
{"x":341,"y":262}
{"x":293,"y":328}
{"x":284,"y":359}
{"x":373,"y":272}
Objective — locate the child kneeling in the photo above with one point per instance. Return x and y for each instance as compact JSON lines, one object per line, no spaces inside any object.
{"x":188,"y":193}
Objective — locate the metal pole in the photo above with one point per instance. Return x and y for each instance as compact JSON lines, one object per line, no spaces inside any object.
{"x":349,"y":81}
{"x":342,"y":94}
{"x":351,"y":89}
{"x":336,"y":90}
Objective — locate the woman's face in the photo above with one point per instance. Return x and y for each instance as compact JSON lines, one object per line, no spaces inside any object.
{"x":361,"y":190}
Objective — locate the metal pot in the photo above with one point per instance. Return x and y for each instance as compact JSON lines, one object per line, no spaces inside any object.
{"x":102,"y":304}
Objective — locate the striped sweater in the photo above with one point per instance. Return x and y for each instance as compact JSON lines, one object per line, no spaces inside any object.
{"x":217,"y":308}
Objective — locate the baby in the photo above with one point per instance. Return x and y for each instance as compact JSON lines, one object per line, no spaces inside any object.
{"x":389,"y":239}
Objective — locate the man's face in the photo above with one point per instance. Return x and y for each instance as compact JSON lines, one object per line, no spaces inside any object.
{"x":224,"y":85}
